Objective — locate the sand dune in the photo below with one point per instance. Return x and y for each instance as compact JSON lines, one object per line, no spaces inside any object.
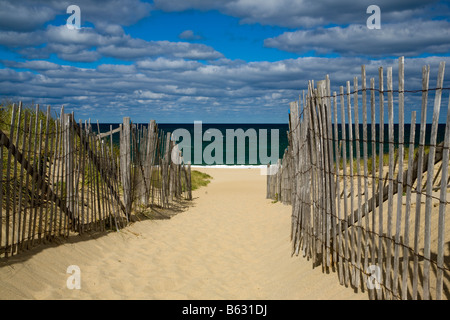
{"x":232,"y":243}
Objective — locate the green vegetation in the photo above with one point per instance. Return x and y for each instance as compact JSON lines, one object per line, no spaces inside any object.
{"x":385,"y":160}
{"x":6,"y":113}
{"x":276,"y":198}
{"x":199,"y":179}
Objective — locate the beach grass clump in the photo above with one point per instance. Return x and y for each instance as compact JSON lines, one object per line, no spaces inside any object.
{"x":199,"y":179}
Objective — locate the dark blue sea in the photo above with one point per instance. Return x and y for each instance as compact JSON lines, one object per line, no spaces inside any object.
{"x":264,"y":148}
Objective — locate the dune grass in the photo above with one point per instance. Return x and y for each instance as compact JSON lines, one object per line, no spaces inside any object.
{"x":385,"y":159}
{"x":199,"y":179}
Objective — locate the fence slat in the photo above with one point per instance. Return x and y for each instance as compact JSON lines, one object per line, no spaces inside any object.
{"x":317,"y":239}
{"x":38,"y":194}
{"x":331,"y":221}
{"x":352,"y":188}
{"x":391,"y":183}
{"x":408,"y":207}
{"x":16,"y":185}
{"x":326,"y":193}
{"x":33,"y":182}
{"x":442,"y":205}
{"x":42,"y":172}
{"x":8,"y":185}
{"x":69,"y":155}
{"x":401,"y":122}
{"x":340,"y":251}
{"x":21,"y":227}
{"x":294,"y":120}
{"x":358,"y":174}
{"x":100,"y":185}
{"x":53,"y":208}
{"x":63,"y":192}
{"x":57,"y":175}
{"x":431,"y":156}
{"x":49,"y":183}
{"x":425,"y":80}
{"x":374,"y":173}
{"x":366,"y":174}
{"x":125,"y":162}
{"x":345,"y":177}
{"x":82,"y":165}
{"x":307,"y":191}
{"x":96,"y":189}
{"x":115,"y":204}
{"x":92,"y":181}
{"x":380,"y":178}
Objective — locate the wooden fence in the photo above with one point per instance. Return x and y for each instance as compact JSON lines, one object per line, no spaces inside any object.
{"x":376,"y":218}
{"x":58,"y":176}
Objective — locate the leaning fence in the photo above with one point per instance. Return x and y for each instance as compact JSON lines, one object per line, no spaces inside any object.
{"x":368,"y":201}
{"x":60,"y":177}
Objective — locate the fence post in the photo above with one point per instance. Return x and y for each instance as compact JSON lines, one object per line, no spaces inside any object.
{"x":189,"y":181}
{"x":68,"y":156}
{"x":125,"y":163}
{"x":166,"y":171}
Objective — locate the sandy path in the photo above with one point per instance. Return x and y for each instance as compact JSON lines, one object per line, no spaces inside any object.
{"x":231,"y":244}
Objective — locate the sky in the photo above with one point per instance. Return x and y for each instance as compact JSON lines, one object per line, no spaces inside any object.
{"x":235,"y":61}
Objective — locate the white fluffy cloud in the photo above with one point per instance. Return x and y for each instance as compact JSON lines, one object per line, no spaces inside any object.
{"x":22,"y":30}
{"x":195,"y":79}
{"x":302,"y":13}
{"x":88,"y":44}
{"x":410,"y":38}
{"x":28,"y":15}
{"x":409,"y":28}
{"x":144,"y":89}
{"x":24,"y":15}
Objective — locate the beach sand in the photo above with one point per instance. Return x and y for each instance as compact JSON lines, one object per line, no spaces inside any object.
{"x":230,"y":243}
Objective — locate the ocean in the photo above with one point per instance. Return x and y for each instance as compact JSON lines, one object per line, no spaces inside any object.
{"x":262,"y":149}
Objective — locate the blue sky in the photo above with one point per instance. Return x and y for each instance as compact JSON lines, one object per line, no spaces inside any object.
{"x":236,"y":61}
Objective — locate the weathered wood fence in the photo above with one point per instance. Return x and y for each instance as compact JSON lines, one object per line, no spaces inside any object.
{"x":376,"y":219}
{"x":59,"y":176}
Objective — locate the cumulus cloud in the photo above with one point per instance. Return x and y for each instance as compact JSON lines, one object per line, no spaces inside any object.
{"x":131,"y":49}
{"x":28,"y":15}
{"x":260,"y":90}
{"x":163,"y":64}
{"x":302,"y":13}
{"x":117,"y":68}
{"x":38,"y":65}
{"x":151,"y":77}
{"x":15,"y":39}
{"x":24,"y":15}
{"x":408,"y":38}
{"x":88,"y":45}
